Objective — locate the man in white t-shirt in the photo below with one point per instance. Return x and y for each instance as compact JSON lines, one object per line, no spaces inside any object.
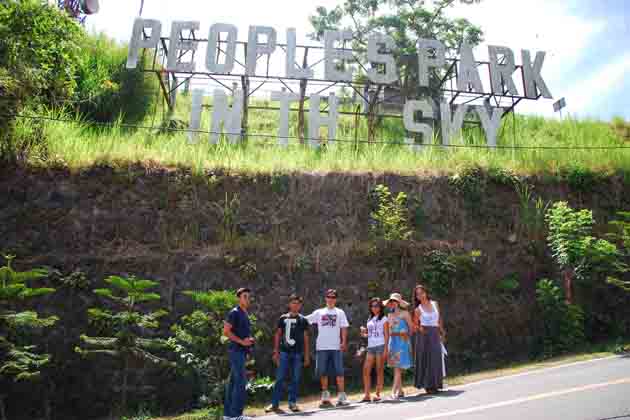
{"x":332,"y":342}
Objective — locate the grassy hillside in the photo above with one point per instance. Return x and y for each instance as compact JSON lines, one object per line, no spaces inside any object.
{"x":79,"y":145}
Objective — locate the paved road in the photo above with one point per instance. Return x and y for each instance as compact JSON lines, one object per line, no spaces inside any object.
{"x":593,"y":390}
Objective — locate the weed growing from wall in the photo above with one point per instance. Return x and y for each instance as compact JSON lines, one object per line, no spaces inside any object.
{"x":390,"y":219}
{"x":472,"y":185}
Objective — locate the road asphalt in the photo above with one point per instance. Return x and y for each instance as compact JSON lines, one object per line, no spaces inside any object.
{"x":591,"y":390}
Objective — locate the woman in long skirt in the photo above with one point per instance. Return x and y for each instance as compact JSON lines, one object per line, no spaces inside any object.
{"x":398,"y":346}
{"x":427,"y":321}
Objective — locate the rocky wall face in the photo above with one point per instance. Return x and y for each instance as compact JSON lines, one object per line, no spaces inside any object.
{"x":282,"y":234}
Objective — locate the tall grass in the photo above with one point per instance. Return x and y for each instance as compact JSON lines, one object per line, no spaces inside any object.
{"x":106,"y":89}
{"x":79,"y":145}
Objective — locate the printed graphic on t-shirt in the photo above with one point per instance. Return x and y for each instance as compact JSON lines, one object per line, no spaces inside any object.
{"x":329,"y":320}
{"x":373,"y":331}
{"x":288,"y":331}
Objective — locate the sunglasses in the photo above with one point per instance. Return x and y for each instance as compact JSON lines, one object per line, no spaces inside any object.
{"x":331,"y":297}
{"x":376,"y":305}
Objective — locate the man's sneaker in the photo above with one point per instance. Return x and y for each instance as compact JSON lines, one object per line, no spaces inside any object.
{"x":272,"y":409}
{"x":342,"y":400}
{"x":325,"y":402}
{"x":294,"y":407}
{"x":227,"y":418}
{"x":242,"y":418}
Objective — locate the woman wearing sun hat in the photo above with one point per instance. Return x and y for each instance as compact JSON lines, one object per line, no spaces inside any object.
{"x":399,"y":346}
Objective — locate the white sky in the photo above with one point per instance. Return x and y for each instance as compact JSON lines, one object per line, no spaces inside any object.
{"x":549,"y":25}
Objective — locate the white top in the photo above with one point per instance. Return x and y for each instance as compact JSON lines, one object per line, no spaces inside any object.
{"x":429,"y":319}
{"x":376,"y":331}
{"x":329,"y":324}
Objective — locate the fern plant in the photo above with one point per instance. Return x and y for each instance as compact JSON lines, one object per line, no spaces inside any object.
{"x":126,"y":321}
{"x":19,"y":358}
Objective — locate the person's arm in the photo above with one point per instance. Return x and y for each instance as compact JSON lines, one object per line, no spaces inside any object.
{"x":344,"y":339}
{"x":307,"y":349}
{"x":440,"y":324}
{"x":227,"y":331}
{"x":344,"y":324}
{"x":407,"y":317}
{"x":386,"y":335}
{"x":276,"y":346}
{"x":416,"y":320}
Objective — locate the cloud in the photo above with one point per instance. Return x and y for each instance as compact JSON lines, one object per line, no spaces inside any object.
{"x":589,"y":95}
{"x":537,"y":25}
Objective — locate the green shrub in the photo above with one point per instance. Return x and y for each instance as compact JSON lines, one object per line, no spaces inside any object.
{"x":563,"y":324}
{"x":42,"y":45}
{"x":472,"y":184}
{"x":389,"y":220}
{"x":438,"y":272}
{"x":108,"y":90}
{"x":574,"y":249}
{"x":581,"y":179}
{"x":39,"y":57}
{"x":199,"y":344}
{"x":509,"y":285}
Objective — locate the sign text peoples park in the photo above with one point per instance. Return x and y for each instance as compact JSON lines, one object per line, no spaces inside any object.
{"x":381,"y":70}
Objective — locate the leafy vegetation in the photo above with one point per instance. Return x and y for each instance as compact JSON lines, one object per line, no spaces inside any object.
{"x":127,"y":324}
{"x":107,"y":91}
{"x":563,"y":323}
{"x":621,"y":236}
{"x":390,"y":216}
{"x":38,"y":63}
{"x":196,"y":339}
{"x":576,"y":251}
{"x":19,"y":358}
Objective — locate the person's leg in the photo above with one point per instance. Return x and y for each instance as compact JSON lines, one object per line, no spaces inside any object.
{"x":229,"y":389}
{"x":338,"y":362}
{"x":296,"y":362}
{"x":239,"y":395}
{"x":397,"y":381}
{"x":367,"y":375}
{"x":380,"y":374}
{"x":281,"y":374}
{"x":235,"y":393}
{"x":321,"y":370}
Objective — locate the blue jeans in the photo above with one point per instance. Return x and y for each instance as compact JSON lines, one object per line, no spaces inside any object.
{"x":288,"y":361}
{"x":236,"y":393}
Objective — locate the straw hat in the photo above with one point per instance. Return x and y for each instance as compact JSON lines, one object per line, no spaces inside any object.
{"x":397,"y":298}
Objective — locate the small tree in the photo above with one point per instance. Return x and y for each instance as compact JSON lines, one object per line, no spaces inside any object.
{"x":406,"y":21}
{"x":621,"y":236}
{"x":569,"y":234}
{"x":390,"y":218}
{"x":198,"y":338}
{"x":19,"y":359}
{"x":127,"y":294}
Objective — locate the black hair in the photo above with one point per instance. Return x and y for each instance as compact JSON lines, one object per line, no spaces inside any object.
{"x":416,"y":302}
{"x":380,"y":304}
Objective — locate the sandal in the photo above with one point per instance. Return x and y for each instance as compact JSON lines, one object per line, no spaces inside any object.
{"x":366,"y":400}
{"x":376,"y":399}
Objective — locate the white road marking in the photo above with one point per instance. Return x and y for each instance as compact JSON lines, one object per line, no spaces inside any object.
{"x":523,"y":400}
{"x":533,"y":372}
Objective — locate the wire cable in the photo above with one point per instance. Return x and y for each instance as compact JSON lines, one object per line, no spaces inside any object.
{"x":336,"y":140}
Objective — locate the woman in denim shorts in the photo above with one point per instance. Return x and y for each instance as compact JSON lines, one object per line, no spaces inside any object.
{"x":377,"y":333}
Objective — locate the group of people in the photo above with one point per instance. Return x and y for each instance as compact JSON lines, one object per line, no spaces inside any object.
{"x":389,"y":330}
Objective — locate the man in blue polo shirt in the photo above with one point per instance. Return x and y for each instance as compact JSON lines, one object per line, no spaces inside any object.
{"x":238,"y":330}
